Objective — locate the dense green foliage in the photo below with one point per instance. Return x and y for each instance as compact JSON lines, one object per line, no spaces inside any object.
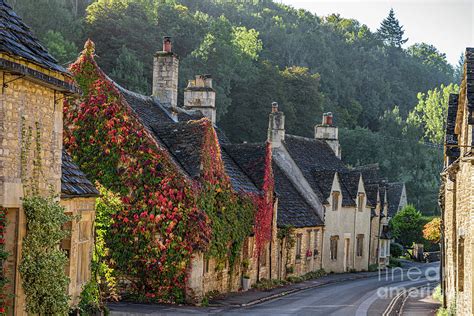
{"x":42,"y":263}
{"x":407,"y":226}
{"x":260,"y":51}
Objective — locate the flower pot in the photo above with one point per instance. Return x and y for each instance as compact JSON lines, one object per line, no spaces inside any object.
{"x":245,"y":284}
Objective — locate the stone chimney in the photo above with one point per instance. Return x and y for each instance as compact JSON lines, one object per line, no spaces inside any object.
{"x":328,"y":133}
{"x":276,"y":126}
{"x":199,"y":95}
{"x":165,"y":74}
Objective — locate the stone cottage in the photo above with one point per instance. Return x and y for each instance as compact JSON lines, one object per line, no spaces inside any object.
{"x":180,"y":133}
{"x":33,"y":86}
{"x":335,"y":195}
{"x":457,"y":197}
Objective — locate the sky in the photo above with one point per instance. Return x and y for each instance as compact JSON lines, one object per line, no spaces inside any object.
{"x":448,"y":24}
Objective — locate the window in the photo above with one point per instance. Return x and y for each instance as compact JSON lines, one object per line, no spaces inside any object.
{"x":461,"y":264}
{"x":206,"y":266}
{"x":335,"y":201}
{"x":360,"y":245}
{"x":333,"y":250}
{"x":316,"y":241}
{"x":299,"y":238}
{"x":360,"y":202}
{"x":308,"y":240}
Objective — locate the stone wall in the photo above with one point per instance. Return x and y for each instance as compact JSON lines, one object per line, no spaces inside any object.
{"x":24,"y":106}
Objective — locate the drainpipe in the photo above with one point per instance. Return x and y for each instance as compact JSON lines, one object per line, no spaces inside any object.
{"x":370,"y":239}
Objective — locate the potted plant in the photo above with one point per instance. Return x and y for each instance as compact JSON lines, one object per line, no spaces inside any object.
{"x":309,"y":254}
{"x":245,"y":282}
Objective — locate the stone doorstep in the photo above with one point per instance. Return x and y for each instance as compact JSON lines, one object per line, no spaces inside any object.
{"x":292,"y":288}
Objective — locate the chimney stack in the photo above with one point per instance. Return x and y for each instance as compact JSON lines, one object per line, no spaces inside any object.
{"x":329,"y":133}
{"x":165,"y":74}
{"x":199,"y":95}
{"x":276,"y":126}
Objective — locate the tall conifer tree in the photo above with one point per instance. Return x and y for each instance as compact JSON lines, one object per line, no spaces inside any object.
{"x":391,"y":32}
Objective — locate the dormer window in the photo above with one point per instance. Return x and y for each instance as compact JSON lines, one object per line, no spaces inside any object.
{"x":335,"y":201}
{"x":360,"y":202}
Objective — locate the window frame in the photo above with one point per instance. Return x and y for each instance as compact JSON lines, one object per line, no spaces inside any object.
{"x":335,"y":201}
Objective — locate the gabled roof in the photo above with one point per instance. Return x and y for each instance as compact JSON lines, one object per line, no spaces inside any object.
{"x":17,"y":40}
{"x":371,"y":190}
{"x":73,"y":181}
{"x":251,"y":159}
{"x":394,"y":194}
{"x":312,"y":154}
{"x":292,"y":208}
{"x":370,"y":173}
{"x":170,"y":129}
{"x":351,"y":181}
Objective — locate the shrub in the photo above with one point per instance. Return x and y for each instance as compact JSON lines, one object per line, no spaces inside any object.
{"x":373,"y":267}
{"x":437,"y":294}
{"x":90,"y":302}
{"x":42,"y":264}
{"x":396,"y":250}
{"x":394,"y":263}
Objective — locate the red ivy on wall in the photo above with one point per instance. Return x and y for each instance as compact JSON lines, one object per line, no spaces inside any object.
{"x":152,"y":240}
{"x":264,"y":215}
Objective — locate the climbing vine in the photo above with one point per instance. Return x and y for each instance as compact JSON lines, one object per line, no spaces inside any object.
{"x":164,"y":216}
{"x":232,"y":215}
{"x":42,"y":263}
{"x":152,"y":237}
{"x":264,"y":215}
{"x":3,"y":257}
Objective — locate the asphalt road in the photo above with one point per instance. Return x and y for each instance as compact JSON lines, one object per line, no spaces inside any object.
{"x":369,"y":296}
{"x":360,"y":297}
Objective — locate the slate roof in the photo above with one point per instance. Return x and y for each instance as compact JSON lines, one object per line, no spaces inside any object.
{"x":73,"y":181}
{"x":451,"y":138}
{"x":370,"y":173}
{"x":292,"y":208}
{"x":351,"y":181}
{"x":394,"y":193}
{"x":173,"y":133}
{"x":17,"y":39}
{"x":184,"y":140}
{"x":312,"y":154}
{"x":251,"y":159}
{"x":371,"y":190}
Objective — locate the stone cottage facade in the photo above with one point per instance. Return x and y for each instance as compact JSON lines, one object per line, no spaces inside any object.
{"x":180,"y":133}
{"x":33,"y":85}
{"x":457,"y":197}
{"x":335,"y":194}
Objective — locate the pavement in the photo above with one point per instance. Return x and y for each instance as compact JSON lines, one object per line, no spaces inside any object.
{"x":420,"y":303}
{"x":363,"y":293}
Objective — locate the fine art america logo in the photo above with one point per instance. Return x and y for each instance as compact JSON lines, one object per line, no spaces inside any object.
{"x":414,"y":282}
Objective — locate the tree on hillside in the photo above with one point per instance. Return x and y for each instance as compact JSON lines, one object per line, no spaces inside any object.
{"x":407,"y":226}
{"x":432,"y":230}
{"x":430,"y":56}
{"x":459,"y":69}
{"x":128,"y":71}
{"x":431,"y":112}
{"x":391,"y":32}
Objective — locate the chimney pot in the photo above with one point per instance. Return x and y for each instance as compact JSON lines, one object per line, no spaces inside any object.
{"x":167,"y":45}
{"x":274,"y":107}
{"x":329,"y":118}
